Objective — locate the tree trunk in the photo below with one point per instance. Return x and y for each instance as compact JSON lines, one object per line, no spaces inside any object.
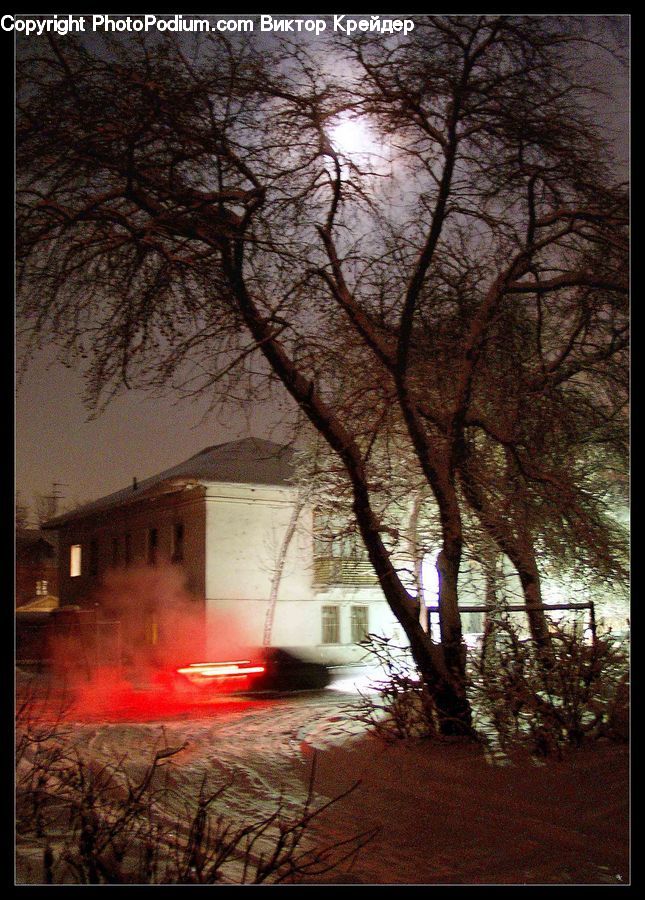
{"x":522,"y":556}
{"x":492,"y":603}
{"x":520,"y":551}
{"x":452,"y":644}
{"x":526,"y":565}
{"x":445,"y":682}
{"x":279,"y":569}
{"x":457,"y":719}
{"x":416,"y":555}
{"x":447,"y":689}
{"x":442,"y":670}
{"x":448,"y":562}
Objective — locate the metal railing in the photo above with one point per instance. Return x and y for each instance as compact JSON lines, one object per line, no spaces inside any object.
{"x":344,"y":571}
{"x":525,"y":607}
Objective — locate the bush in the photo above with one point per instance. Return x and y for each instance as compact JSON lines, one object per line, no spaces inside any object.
{"x":97,"y":824}
{"x":549,"y":700}
{"x":521,"y":696}
{"x":399,"y":704}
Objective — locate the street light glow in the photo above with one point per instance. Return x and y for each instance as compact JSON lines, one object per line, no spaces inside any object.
{"x":352,"y":136}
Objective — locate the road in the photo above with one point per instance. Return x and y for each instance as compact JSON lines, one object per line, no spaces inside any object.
{"x":447,"y":816}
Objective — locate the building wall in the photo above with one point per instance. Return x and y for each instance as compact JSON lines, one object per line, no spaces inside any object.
{"x":163,"y":513}
{"x":245,"y":529}
{"x":298,"y":624}
{"x":35,"y":579}
{"x":36,"y":571}
{"x":233,"y":535}
{"x":232,"y":539}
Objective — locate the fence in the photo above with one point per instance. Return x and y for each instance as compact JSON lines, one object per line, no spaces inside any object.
{"x":73,"y":644}
{"x":433,"y":613}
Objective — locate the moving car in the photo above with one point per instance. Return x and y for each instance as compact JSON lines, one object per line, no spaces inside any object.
{"x":262,"y":669}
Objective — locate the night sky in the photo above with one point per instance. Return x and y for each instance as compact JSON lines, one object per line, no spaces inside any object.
{"x":138,"y":435}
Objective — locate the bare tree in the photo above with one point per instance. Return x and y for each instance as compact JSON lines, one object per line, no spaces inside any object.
{"x":279,"y":567}
{"x":184,"y":213}
{"x":21,"y":516}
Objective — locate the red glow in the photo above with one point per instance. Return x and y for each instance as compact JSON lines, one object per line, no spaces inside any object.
{"x":204,"y":673}
{"x":109,"y":697}
{"x":133,"y":673}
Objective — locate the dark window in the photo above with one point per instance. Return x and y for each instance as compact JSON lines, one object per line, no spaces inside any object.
{"x":128,"y":549}
{"x":152,"y":546}
{"x":331,"y":625}
{"x":360,"y":623}
{"x":94,"y":557}
{"x":116,"y":556}
{"x":178,"y":542}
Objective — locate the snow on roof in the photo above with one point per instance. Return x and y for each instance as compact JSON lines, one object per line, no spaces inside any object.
{"x":247,"y":461}
{"x":30,"y":537}
{"x":39,"y":605}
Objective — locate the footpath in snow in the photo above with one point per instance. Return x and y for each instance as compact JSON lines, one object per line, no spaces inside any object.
{"x":446,"y":814}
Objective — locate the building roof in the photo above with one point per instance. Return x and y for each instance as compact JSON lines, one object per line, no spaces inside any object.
{"x":247,"y":461}
{"x":39,"y":605}
{"x":33,"y":539}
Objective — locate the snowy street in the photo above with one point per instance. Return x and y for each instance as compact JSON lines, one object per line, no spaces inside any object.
{"x":446,"y":815}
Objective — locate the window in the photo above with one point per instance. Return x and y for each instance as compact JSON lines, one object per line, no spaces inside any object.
{"x":151,"y":627}
{"x":355,"y":572}
{"x":75,"y":560}
{"x":152,"y":546}
{"x":116,"y":556}
{"x":430,"y":578}
{"x":334,"y":539}
{"x":331,"y":625}
{"x":339,"y":557}
{"x":360,"y":623}
{"x":128,"y":549}
{"x":94,"y":557}
{"x":41,"y":589}
{"x":177,"y":543}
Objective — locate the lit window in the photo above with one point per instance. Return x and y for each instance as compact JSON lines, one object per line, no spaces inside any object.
{"x":430,"y":578}
{"x":360,"y":623}
{"x":75,"y":560}
{"x":41,"y":588}
{"x":331,"y":625}
{"x":151,"y":628}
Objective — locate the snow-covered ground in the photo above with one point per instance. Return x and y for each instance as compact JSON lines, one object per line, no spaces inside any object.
{"x":446,"y":814}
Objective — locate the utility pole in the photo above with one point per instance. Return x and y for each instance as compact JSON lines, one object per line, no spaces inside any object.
{"x":50,"y":506}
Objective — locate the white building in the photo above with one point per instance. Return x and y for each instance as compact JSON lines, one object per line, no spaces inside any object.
{"x":227,"y":519}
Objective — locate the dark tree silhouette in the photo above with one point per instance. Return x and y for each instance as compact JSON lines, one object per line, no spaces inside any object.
{"x":183,"y":212}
